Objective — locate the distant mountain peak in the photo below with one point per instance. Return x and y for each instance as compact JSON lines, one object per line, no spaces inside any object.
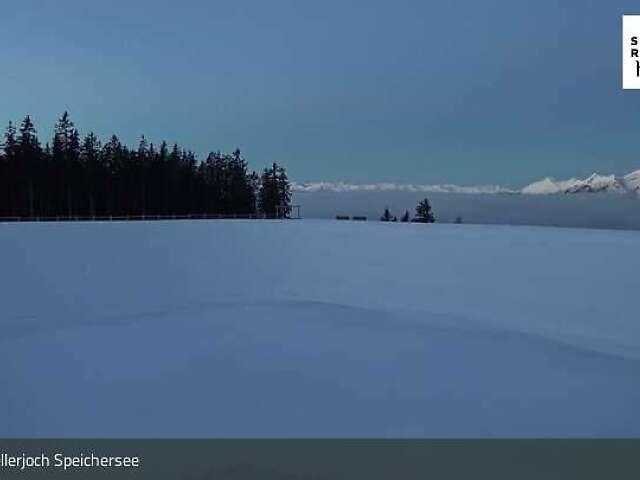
{"x":594,"y":183}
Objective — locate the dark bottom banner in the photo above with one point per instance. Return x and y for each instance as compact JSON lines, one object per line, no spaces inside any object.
{"x":320,"y":459}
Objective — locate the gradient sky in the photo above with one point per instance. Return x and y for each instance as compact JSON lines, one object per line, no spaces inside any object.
{"x":464,"y":92}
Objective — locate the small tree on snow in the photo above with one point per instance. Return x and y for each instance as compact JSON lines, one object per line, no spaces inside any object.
{"x":424,"y":214}
{"x":386,"y":217}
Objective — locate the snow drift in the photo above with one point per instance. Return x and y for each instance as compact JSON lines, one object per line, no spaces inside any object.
{"x":317,"y":328}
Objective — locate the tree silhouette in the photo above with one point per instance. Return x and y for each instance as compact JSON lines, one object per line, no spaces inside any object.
{"x":29,"y":162}
{"x":424,"y":213}
{"x":274,"y":198}
{"x":77,"y":177}
{"x":386,"y":216}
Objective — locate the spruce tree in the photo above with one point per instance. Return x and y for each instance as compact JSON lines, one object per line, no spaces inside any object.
{"x":92,"y":169}
{"x":139,"y":184}
{"x":284,"y":192}
{"x":161,"y":180}
{"x":66,"y":158}
{"x":29,"y":166}
{"x":9,"y":175}
{"x":241,"y":187}
{"x":268,"y":194}
{"x":109,"y":161}
{"x":174,"y":174}
{"x":424,"y":213}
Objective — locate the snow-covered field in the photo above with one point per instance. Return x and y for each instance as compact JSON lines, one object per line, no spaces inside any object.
{"x":317,"y":328}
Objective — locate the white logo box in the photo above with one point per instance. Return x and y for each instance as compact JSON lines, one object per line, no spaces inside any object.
{"x":631,"y":52}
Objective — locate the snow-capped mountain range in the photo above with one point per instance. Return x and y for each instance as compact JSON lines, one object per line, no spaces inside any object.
{"x":403,"y":187}
{"x":595,"y":183}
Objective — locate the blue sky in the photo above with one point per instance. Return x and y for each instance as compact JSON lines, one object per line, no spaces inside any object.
{"x":412,"y":91}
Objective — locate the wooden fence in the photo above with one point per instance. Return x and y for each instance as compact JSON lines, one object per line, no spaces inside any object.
{"x":130,"y":218}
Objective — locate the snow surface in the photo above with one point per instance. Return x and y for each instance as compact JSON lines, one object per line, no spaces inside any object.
{"x":317,"y":328}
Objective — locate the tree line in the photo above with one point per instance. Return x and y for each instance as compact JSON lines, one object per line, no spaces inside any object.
{"x":83,"y":177}
{"x":424,"y":214}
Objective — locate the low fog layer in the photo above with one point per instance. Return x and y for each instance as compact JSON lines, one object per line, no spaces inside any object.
{"x":595,"y":210}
